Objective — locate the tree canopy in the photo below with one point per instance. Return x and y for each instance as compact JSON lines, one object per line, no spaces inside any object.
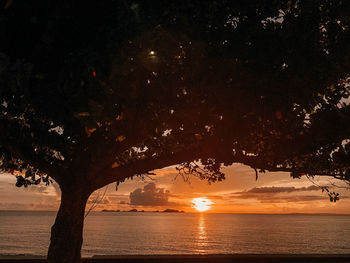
{"x":93,"y":92}
{"x":133,"y":85}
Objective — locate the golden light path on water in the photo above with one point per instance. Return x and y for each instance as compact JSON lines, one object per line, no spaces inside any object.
{"x":201,"y":204}
{"x":202,"y":238}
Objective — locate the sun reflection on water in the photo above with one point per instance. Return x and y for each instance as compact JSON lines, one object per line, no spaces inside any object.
{"x":202,"y":238}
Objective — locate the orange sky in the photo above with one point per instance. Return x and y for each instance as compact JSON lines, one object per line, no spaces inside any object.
{"x":239,"y":193}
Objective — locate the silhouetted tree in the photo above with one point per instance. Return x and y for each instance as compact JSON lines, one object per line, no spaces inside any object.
{"x":94,"y":92}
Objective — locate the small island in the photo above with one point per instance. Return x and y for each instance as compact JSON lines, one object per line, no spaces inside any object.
{"x":172,"y":211}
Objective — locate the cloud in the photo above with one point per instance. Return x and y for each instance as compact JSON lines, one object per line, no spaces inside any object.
{"x":280,"y":194}
{"x":150,"y":195}
{"x":94,"y":200}
{"x":272,"y":198}
{"x":293,"y":199}
{"x":297,"y":198}
{"x":281,"y":189}
{"x":40,"y":205}
{"x":57,"y":189}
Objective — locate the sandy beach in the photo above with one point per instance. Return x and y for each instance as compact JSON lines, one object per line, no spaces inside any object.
{"x":236,"y":258}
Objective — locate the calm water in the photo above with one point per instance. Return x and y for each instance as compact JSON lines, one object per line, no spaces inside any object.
{"x":167,"y":233}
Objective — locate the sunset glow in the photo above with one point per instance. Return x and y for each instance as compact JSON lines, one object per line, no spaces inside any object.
{"x":201,"y":204}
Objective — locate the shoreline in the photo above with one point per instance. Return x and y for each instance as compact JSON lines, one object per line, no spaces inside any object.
{"x":195,"y":258}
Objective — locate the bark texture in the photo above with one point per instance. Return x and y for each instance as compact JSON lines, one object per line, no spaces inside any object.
{"x":67,"y":231}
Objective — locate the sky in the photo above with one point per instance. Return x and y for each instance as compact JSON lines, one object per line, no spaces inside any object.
{"x":240,"y":192}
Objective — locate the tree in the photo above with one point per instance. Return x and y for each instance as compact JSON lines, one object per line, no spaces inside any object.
{"x":96,"y":92}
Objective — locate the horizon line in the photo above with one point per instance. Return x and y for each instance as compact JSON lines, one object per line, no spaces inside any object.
{"x":231,"y":213}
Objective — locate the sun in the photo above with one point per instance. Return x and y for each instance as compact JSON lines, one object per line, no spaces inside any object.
{"x":201,"y":204}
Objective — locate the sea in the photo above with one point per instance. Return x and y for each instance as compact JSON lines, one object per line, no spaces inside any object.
{"x":137,"y":233}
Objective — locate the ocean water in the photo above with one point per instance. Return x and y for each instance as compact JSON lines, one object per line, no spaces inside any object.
{"x":126,"y":233}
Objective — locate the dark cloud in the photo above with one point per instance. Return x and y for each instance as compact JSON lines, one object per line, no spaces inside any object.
{"x":188,"y":196}
{"x":39,"y":189}
{"x":50,"y":206}
{"x":293,"y":199}
{"x":274,"y":189}
{"x":297,"y":198}
{"x":94,"y":200}
{"x":214,"y":196}
{"x":150,"y":195}
{"x":272,"y":198}
{"x":281,"y":194}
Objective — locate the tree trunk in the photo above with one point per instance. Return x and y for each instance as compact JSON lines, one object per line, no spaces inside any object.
{"x":67,"y":231}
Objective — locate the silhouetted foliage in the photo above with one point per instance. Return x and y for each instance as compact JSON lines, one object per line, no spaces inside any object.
{"x":93,"y":92}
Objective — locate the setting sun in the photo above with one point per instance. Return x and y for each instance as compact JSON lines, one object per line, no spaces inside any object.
{"x":201,"y":204}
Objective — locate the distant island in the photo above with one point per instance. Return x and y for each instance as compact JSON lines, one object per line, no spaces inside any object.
{"x":172,"y":211}
{"x":168,"y":210}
